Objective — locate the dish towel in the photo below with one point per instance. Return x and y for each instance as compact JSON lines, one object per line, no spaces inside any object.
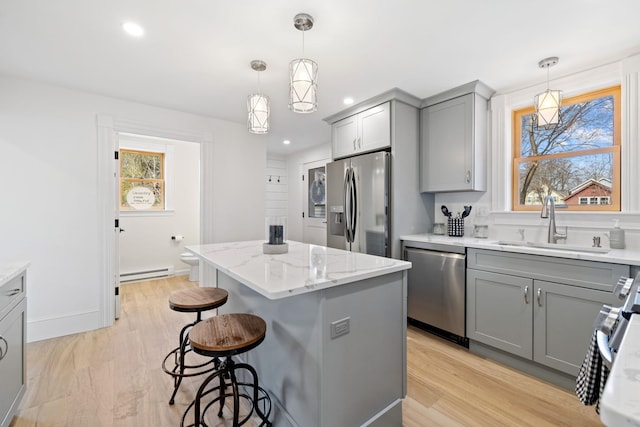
{"x":592,"y":376}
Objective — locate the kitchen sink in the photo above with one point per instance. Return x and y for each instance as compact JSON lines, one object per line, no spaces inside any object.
{"x":553,"y":246}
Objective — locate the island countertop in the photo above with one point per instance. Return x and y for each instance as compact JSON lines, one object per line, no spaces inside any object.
{"x":304,"y":268}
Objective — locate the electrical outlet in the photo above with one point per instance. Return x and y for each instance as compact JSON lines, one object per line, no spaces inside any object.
{"x":340,"y":327}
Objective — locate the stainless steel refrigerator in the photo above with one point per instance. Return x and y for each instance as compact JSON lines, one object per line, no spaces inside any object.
{"x":358,"y":204}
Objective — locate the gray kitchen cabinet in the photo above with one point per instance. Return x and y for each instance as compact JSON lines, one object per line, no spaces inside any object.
{"x":453,"y":133}
{"x":366,"y":131}
{"x":539,"y":308}
{"x":563,"y":319}
{"x":12,"y":347}
{"x":499,"y":311}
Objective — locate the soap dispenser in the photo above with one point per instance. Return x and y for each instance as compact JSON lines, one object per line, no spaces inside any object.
{"x":616,"y":236}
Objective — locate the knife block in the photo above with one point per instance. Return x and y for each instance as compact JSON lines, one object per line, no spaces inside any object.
{"x":455,"y":227}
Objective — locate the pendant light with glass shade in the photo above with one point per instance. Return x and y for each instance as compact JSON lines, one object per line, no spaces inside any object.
{"x":547,"y":104}
{"x":258,"y":105}
{"x":303,"y":74}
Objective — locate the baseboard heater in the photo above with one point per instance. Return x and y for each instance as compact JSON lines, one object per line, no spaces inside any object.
{"x":146,"y":274}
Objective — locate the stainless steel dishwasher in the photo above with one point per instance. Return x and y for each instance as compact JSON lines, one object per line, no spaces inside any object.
{"x":436,"y":288}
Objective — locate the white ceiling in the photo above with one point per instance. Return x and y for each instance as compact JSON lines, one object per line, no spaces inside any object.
{"x":195,"y":54}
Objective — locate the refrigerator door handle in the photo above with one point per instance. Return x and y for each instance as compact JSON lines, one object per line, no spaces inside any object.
{"x":354,"y":202}
{"x":346,"y":205}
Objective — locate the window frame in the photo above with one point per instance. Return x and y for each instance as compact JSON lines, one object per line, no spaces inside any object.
{"x":615,"y":150}
{"x":162,"y":181}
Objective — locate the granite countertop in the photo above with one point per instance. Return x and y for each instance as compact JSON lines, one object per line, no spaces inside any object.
{"x":620,"y":402}
{"x":10,"y":270}
{"x":304,"y":268}
{"x":615,"y":256}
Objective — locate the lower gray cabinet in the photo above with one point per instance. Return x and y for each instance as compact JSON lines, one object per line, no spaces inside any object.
{"x":499,"y":311}
{"x":563,"y":319}
{"x":12,"y":347}
{"x":548,"y":322}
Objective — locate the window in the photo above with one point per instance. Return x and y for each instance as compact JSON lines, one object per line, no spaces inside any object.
{"x":142,"y":185}
{"x":577,"y":162}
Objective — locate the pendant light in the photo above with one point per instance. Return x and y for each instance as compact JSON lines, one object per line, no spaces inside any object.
{"x":258,"y":105}
{"x":548,"y":103}
{"x":303,"y":74}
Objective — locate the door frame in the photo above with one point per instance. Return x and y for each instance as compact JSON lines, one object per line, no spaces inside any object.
{"x":107,"y":141}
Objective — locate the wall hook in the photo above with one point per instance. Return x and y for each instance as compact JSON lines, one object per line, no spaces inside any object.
{"x":278,"y":179}
{"x":269,"y":178}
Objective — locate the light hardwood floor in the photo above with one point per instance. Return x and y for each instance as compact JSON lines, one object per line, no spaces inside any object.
{"x":112,"y":377}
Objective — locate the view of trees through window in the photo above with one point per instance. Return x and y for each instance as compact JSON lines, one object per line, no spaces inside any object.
{"x":577,"y":162}
{"x":141,"y":180}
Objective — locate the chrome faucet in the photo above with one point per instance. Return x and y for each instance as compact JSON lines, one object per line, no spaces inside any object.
{"x":552,"y":236}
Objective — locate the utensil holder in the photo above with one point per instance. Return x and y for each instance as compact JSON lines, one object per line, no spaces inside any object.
{"x":455,"y":227}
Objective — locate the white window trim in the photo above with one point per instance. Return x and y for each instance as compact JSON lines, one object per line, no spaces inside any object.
{"x":625,"y":72}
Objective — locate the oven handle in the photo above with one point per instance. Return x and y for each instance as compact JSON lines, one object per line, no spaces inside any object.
{"x":603,"y":348}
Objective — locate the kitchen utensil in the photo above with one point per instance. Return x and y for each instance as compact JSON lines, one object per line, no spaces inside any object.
{"x":467,"y":211}
{"x":445,"y":211}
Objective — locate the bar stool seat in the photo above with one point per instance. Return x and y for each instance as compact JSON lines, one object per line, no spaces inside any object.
{"x":192,"y":300}
{"x":224,"y":336}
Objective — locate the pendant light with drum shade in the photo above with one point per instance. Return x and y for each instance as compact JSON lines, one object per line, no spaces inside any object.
{"x":303,"y":74}
{"x":547,"y":104}
{"x":258,"y":105}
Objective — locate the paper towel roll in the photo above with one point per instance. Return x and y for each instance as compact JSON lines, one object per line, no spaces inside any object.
{"x":177,"y":238}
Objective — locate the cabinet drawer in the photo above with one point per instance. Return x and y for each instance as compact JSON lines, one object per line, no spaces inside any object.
{"x":11,"y":292}
{"x":12,"y":362}
{"x":586,"y":274}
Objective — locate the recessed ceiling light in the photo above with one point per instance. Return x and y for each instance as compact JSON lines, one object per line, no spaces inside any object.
{"x":348,"y":101}
{"x":286,"y":142}
{"x":133,"y":29}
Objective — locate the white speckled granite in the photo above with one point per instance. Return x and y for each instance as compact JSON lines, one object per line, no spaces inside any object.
{"x":304,"y":268}
{"x":620,"y":402}
{"x":10,"y":270}
{"x":615,"y":256}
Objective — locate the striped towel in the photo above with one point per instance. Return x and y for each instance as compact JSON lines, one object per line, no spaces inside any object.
{"x":592,"y":376}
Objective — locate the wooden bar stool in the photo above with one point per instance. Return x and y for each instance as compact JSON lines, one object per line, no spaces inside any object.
{"x":193,"y":300}
{"x":224,"y":336}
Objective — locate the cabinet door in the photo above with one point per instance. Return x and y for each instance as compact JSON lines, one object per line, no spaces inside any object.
{"x":563,"y":323}
{"x":499,"y":311}
{"x":344,"y":137}
{"x":447,"y":145}
{"x":12,"y":362}
{"x":375,"y":128}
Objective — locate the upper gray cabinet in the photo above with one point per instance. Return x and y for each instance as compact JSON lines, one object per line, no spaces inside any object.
{"x":453,"y":128}
{"x":366,"y":131}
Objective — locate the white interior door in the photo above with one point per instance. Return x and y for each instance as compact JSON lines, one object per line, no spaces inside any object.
{"x":117,"y":230}
{"x":314,"y":198}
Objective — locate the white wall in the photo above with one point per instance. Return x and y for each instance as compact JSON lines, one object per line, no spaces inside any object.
{"x":49,"y":187}
{"x":277,"y":186}
{"x":146,"y":243}
{"x":295,"y":166}
{"x":582,"y":226}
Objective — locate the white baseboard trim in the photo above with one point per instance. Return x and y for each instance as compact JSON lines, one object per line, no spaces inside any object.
{"x":54,"y":327}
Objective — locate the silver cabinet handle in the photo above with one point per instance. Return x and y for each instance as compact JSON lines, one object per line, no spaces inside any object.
{"x":526,"y":294}
{"x":467,"y":177}
{"x":355,"y":147}
{"x":538,"y":297}
{"x":3,"y":352}
{"x":359,"y":142}
{"x":13,"y":292}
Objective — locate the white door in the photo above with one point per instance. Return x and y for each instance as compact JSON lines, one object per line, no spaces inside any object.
{"x":117,"y":230}
{"x":314,"y":222}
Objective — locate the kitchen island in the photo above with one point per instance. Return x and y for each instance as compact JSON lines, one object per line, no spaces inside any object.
{"x":335,"y":351}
